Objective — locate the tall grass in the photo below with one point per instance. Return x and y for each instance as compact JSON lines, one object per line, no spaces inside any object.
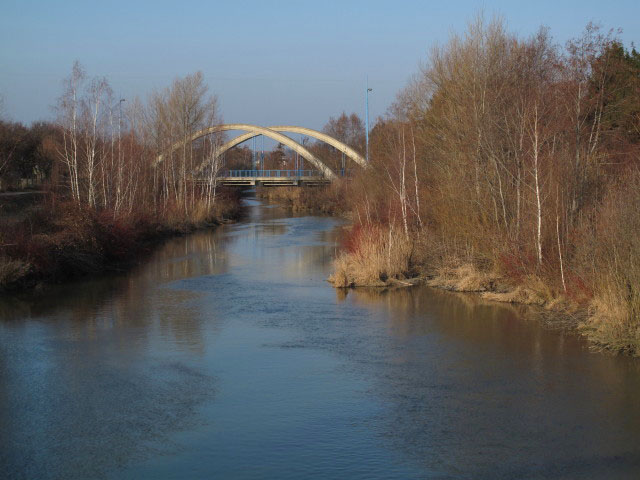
{"x":64,"y":239}
{"x":329,"y":199}
{"x":612,"y":264}
{"x":12,"y":272}
{"x":376,"y":255}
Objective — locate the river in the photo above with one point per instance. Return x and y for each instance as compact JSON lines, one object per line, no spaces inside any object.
{"x":227,"y":355}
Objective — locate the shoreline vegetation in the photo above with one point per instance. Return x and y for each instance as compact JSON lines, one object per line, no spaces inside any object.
{"x":325,"y":200}
{"x":107,"y":196}
{"x":56,"y":243}
{"x":510,"y":167}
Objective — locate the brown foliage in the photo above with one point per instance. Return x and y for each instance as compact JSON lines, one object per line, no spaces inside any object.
{"x":375,"y":256}
{"x":328,"y":200}
{"x":610,"y":261}
{"x":512,"y":166}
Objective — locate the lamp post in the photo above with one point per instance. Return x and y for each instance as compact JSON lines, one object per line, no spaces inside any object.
{"x":298,"y":160}
{"x":367,"y":116}
{"x":120,"y":128}
{"x":120,"y":116}
{"x":253,"y":154}
{"x":301,"y":163}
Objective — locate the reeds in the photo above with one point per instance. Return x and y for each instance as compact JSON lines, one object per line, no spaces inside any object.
{"x":378,"y":256}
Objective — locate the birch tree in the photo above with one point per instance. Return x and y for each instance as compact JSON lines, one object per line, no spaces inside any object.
{"x":98,"y":94}
{"x":68,"y":117}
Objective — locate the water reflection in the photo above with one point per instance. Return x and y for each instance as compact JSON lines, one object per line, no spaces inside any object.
{"x":226,"y":354}
{"x":81,"y":391}
{"x":201,"y":253}
{"x":468,"y":382}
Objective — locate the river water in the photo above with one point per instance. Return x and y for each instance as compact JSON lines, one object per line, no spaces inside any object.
{"x":227,"y":355}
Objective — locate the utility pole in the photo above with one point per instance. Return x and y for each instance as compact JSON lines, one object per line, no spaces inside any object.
{"x":120,"y":170}
{"x":253,"y":154}
{"x":367,"y":115}
{"x":119,"y":124}
{"x":298,"y":160}
{"x":304,"y":144}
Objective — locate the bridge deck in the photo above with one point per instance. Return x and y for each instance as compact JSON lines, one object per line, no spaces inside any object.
{"x":272,"y":177}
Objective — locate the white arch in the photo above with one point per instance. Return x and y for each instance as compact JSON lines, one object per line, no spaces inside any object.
{"x":256,"y":130}
{"x":340,"y":146}
{"x":337,"y":144}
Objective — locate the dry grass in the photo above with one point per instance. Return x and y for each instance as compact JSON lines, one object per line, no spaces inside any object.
{"x":611,"y":326}
{"x":329,"y":199}
{"x":378,"y":256}
{"x":201,"y":213}
{"x":463,"y":278}
{"x":12,"y":272}
{"x":175,"y":218}
{"x":614,"y":312}
{"x":53,"y":243}
{"x":289,"y":196}
{"x":612,"y":265}
{"x":533,"y":291}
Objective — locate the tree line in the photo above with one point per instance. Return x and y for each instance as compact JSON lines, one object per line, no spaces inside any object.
{"x":520,"y":159}
{"x":109,"y":150}
{"x":100,"y":151}
{"x":107,"y":193}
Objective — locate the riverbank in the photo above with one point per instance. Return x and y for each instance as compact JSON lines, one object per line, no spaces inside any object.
{"x":382,"y":257}
{"x":555,"y":311}
{"x":326,"y":200}
{"x":487,"y":193}
{"x":51,"y":242}
{"x":226,"y":343}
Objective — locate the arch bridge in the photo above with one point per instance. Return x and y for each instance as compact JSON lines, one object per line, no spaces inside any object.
{"x":321,"y":174}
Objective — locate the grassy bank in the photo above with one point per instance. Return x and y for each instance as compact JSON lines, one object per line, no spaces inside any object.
{"x":326,"y":200}
{"x":52,"y":242}
{"x":526,"y":190}
{"x":601,"y":302}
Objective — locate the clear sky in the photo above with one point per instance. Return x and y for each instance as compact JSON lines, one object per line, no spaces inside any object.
{"x":269,"y":62}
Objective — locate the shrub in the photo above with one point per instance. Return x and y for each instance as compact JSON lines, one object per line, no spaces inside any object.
{"x":12,"y":272}
{"x":611,"y":260}
{"x":375,"y":256}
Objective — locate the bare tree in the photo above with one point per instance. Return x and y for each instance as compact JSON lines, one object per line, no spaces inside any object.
{"x":98,"y":95}
{"x":175,"y":114}
{"x":68,"y":117}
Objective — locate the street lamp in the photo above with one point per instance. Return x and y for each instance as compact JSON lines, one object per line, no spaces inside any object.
{"x":120,"y":127}
{"x":120,"y":116}
{"x":301,"y":162}
{"x":367,"y":115}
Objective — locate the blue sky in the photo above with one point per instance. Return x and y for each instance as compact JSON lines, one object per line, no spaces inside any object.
{"x":269,"y":62}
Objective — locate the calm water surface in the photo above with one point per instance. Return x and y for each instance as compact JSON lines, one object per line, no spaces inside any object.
{"x":227,"y":355}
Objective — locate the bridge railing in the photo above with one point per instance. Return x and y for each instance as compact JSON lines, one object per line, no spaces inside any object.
{"x":269,"y":173}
